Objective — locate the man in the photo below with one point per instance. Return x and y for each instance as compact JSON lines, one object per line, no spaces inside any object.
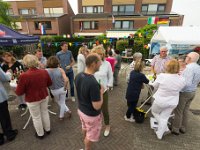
{"x":158,"y":62}
{"x":41,"y":58}
{"x":90,"y":100}
{"x":67,"y":61}
{"x":4,"y":112}
{"x":192,"y":76}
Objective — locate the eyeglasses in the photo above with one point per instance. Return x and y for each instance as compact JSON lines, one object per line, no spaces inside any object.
{"x":163,"y":51}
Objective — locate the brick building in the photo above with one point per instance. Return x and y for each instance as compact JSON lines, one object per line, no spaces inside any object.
{"x":119,"y":18}
{"x":55,"y":15}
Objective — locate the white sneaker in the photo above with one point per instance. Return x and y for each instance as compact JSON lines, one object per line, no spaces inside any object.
{"x":129,"y":119}
{"x":73,"y":99}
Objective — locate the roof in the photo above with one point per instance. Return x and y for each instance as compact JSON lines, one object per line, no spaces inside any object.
{"x":177,"y":35}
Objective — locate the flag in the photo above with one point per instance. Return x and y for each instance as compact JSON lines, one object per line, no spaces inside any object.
{"x":113,"y":19}
{"x":163,"y":20}
{"x":151,"y":20}
{"x":81,"y":26}
{"x":42,"y":28}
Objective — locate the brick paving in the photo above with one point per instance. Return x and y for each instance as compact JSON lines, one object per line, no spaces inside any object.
{"x":124,"y":135}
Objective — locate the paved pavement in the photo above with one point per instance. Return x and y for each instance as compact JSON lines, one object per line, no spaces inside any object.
{"x":124,"y":135}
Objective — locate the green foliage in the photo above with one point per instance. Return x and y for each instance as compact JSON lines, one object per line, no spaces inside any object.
{"x":4,"y":17}
{"x":121,"y":45}
{"x":140,"y":42}
{"x":18,"y":51}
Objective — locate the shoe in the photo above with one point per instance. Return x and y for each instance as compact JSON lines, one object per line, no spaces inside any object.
{"x":129,"y":119}
{"x":73,"y":99}
{"x":39,"y":137}
{"x":48,"y":132}
{"x":12,"y":135}
{"x":175,"y":133}
{"x":106,"y":133}
{"x":1,"y":139}
{"x":181,"y":131}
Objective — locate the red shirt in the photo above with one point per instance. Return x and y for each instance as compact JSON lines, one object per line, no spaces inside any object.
{"x":33,"y":83}
{"x":112,"y":61}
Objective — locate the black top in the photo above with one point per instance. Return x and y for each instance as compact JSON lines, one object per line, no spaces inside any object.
{"x":135,"y":85}
{"x":88,"y":91}
{"x":17,"y":66}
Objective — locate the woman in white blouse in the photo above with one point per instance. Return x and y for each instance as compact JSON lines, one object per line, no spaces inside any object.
{"x":105,"y":77}
{"x":81,"y":59}
{"x":168,"y":86}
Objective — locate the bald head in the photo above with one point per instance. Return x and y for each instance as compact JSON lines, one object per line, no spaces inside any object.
{"x":192,"y":57}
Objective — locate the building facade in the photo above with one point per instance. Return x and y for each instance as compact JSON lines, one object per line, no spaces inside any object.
{"x":54,"y":15}
{"x":119,"y":18}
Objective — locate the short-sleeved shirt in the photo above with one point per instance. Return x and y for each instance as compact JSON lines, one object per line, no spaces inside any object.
{"x":65,"y":59}
{"x":88,"y":91}
{"x":159,"y":63}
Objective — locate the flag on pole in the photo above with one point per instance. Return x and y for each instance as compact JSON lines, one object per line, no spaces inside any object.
{"x":113,"y":19}
{"x":42,"y":29}
{"x":81,"y":26}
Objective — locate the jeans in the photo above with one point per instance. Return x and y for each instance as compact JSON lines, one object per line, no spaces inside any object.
{"x":59,"y":96}
{"x":70,"y":75}
{"x":40,"y":115}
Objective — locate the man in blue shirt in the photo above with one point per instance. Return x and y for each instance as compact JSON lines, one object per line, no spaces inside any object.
{"x":67,"y":61}
{"x":192,"y":76}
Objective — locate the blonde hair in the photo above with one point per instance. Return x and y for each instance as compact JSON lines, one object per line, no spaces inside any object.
{"x":139,"y":65}
{"x":30,"y":61}
{"x":99,"y":50}
{"x":82,"y":49}
{"x":13,"y":59}
{"x":172,"y":66}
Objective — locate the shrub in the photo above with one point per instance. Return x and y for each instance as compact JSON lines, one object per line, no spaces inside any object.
{"x":121,"y":45}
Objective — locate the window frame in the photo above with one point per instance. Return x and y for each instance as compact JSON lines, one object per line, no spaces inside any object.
{"x":93,"y":25}
{"x":130,"y":24}
{"x":125,"y":8}
{"x":36,"y":23}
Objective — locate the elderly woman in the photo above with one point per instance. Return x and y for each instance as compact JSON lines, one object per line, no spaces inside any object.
{"x":168,"y":86}
{"x":105,"y":77}
{"x":11,"y":63}
{"x":4,"y":113}
{"x":136,"y":56}
{"x":81,"y":59}
{"x":59,"y":84}
{"x":33,"y":83}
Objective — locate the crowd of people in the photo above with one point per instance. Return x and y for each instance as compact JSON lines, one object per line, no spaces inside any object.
{"x":175,"y":84}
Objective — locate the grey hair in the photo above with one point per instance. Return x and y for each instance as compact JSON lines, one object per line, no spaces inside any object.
{"x":137,"y":56}
{"x":30,"y":61}
{"x":163,"y":47}
{"x":194,"y":56}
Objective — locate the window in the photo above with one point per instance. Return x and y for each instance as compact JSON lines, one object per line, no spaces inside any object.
{"x":123,"y":24}
{"x":123,"y":8}
{"x":53,"y":10}
{"x":30,"y":11}
{"x":90,"y":25}
{"x":161,"y":8}
{"x":152,"y":7}
{"x":91,"y":9}
{"x":18,"y":25}
{"x":144,"y":8}
{"x":47,"y":25}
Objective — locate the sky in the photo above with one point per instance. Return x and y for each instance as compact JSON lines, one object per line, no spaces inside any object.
{"x":189,"y":8}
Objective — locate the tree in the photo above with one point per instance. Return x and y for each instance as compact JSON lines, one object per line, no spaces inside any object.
{"x":4,"y":16}
{"x":142,"y":38}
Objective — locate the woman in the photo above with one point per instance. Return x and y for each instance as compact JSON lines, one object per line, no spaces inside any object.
{"x":105,"y":77}
{"x":34,"y":83}
{"x":111,"y":60}
{"x":168,"y":86}
{"x":135,"y":84}
{"x":81,"y":59}
{"x":59,"y":84}
{"x":10,"y":63}
{"x":4,"y":113}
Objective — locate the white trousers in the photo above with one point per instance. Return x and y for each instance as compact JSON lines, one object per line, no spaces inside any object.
{"x":60,"y":96}
{"x":40,"y":115}
{"x":162,"y":114}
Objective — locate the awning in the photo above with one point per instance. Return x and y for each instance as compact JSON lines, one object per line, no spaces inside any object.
{"x":119,"y":34}
{"x":9,"y":37}
{"x":87,"y":34}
